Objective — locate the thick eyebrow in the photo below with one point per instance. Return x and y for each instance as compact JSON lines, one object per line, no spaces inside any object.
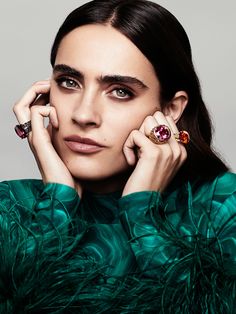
{"x":65,"y":69}
{"x":119,"y":79}
{"x":106,"y":79}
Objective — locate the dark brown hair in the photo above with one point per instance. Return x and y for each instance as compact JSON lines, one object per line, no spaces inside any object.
{"x":162,"y":39}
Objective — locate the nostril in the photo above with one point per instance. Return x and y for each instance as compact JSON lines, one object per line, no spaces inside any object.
{"x":84,"y":123}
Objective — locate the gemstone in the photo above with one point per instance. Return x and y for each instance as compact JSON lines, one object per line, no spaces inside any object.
{"x":162,"y":133}
{"x":20,"y":131}
{"x":184,"y":137}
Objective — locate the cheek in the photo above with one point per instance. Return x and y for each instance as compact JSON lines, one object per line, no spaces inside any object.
{"x":58,"y":102}
{"x":121,"y":129}
{"x":134,"y":120}
{"x":53,"y":94}
{"x":54,"y":99}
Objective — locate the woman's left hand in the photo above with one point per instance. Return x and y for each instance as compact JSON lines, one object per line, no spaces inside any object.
{"x":157,"y":164}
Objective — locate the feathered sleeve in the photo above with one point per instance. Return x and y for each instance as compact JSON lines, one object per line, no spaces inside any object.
{"x":39,"y":208}
{"x":185,"y":246}
{"x":43,"y":268}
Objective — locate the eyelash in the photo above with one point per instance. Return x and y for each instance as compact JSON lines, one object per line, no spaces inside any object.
{"x":129,"y":94}
{"x":61,"y":80}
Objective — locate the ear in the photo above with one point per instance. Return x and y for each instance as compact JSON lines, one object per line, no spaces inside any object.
{"x":176,"y":106}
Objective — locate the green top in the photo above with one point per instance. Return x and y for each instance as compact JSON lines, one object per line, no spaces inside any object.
{"x":142,"y":253}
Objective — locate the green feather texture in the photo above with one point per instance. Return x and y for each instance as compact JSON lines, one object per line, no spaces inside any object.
{"x":183,"y":264}
{"x":46,"y":271}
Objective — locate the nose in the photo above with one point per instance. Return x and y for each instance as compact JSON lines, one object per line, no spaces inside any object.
{"x":87,"y":111}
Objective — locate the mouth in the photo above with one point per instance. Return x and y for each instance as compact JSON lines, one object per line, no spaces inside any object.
{"x":82,"y":145}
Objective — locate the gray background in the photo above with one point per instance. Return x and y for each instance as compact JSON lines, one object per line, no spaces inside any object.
{"x":28,"y":29}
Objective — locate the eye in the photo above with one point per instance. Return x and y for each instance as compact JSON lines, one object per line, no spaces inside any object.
{"x":67,"y":82}
{"x":122,"y":93}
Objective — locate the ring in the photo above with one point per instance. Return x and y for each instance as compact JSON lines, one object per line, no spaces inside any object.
{"x":160,"y":134}
{"x":23,"y":130}
{"x":182,"y":137}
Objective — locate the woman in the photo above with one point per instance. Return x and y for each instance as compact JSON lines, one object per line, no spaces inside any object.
{"x":130,"y":215}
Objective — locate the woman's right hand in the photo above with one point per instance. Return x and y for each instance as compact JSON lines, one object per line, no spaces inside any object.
{"x":33,"y":108}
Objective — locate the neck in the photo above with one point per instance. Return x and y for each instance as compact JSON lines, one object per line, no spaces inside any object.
{"x":107,"y":185}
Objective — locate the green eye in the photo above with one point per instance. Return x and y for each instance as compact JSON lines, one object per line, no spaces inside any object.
{"x":67,"y":83}
{"x":122,"y":93}
{"x":70,"y":83}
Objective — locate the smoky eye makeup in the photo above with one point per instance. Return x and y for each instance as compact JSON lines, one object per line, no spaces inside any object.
{"x":121,"y":93}
{"x":67,"y":82}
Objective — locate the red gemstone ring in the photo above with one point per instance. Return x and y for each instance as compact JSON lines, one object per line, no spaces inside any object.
{"x":23,"y":130}
{"x":160,"y":134}
{"x":182,"y":137}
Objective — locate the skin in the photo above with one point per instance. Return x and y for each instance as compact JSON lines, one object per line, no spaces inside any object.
{"x":117,"y":115}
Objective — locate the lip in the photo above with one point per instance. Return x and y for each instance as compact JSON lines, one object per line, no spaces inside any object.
{"x":83,"y":145}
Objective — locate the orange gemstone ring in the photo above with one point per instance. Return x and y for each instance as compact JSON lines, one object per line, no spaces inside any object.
{"x":182,"y":137}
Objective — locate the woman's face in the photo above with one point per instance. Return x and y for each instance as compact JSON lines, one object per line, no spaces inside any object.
{"x":102,"y":87}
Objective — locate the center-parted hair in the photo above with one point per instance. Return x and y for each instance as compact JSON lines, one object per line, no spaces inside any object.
{"x":164,"y":42}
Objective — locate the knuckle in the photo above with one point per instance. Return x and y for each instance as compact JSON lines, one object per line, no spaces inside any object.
{"x":158,"y":114}
{"x":15,"y":108}
{"x":177,"y":153}
{"x":148,"y":119}
{"x":52,"y":110}
{"x":184,"y":155}
{"x":135,"y":132}
{"x":34,"y":109}
{"x":152,"y":156}
{"x":34,"y":83}
{"x":163,"y":154}
{"x":169,"y":152}
{"x":170,"y":157}
{"x":176,"y":157}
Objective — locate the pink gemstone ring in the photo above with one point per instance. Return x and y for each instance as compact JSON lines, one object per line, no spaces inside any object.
{"x":23,"y":130}
{"x":160,"y":134}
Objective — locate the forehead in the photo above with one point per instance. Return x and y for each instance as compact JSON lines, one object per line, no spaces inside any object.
{"x":103,"y":49}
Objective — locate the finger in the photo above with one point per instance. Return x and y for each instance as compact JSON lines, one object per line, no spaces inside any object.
{"x":38,"y":113}
{"x":153,"y":121}
{"x":171,"y":147}
{"x":31,"y":95}
{"x":135,"y":140}
{"x":53,"y":119}
{"x":49,"y":129}
{"x":174,"y":128}
{"x":168,"y":121}
{"x":160,"y":118}
{"x":183,"y":154}
{"x":148,"y":124}
{"x":172,"y":124}
{"x":22,"y":108}
{"x":176,"y":149}
{"x":41,"y":100}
